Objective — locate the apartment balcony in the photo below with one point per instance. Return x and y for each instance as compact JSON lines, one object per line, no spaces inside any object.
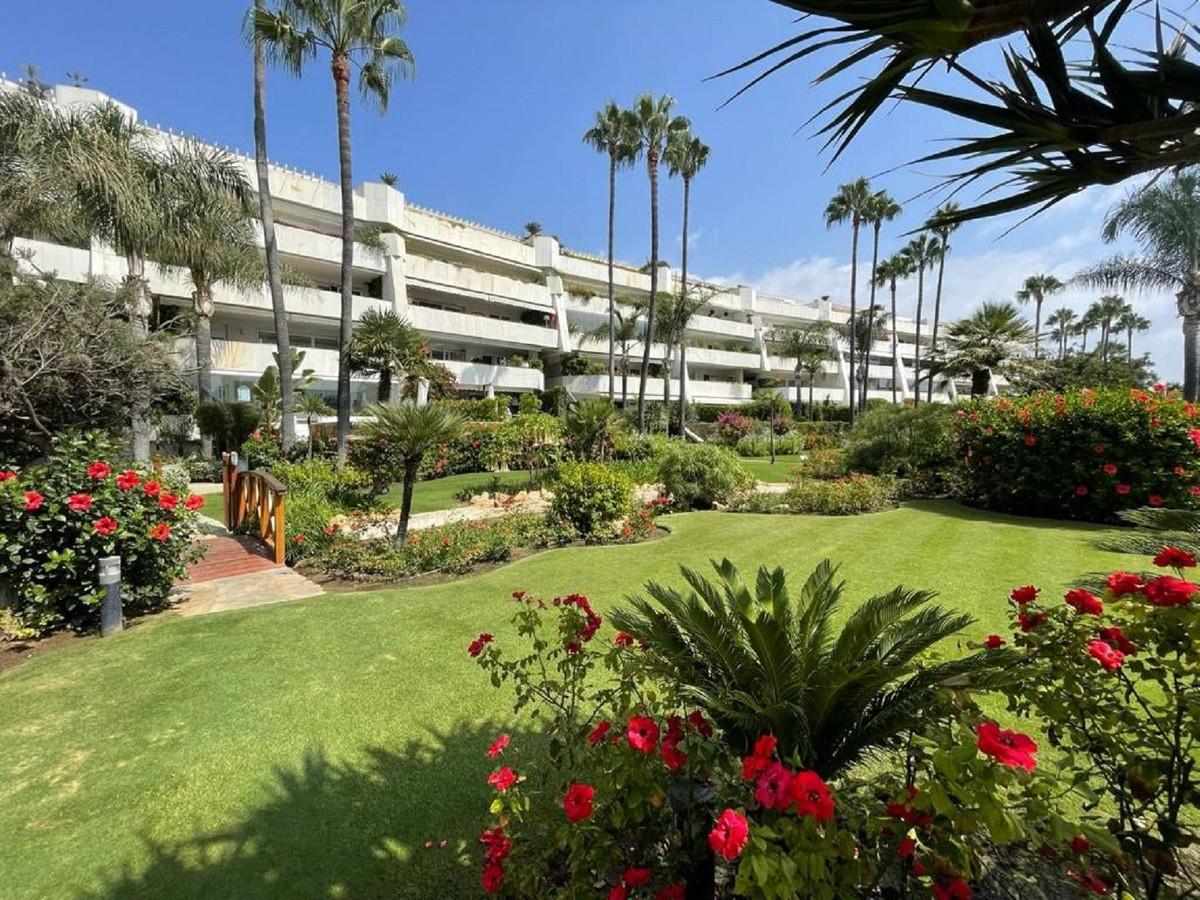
{"x":502,"y":378}
{"x":726,"y":359}
{"x":698,"y":391}
{"x":447,"y":277}
{"x":301,"y":242}
{"x":481,"y":329}
{"x":426,"y":225}
{"x":713,"y":326}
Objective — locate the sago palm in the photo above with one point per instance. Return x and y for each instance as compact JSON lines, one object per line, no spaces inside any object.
{"x":891,"y":271}
{"x":991,"y":341}
{"x":920,"y":253}
{"x":942,"y":224}
{"x":612,"y":134}
{"x":413,"y":431}
{"x":1035,"y":290}
{"x":362,"y":34}
{"x":758,"y":659}
{"x":589,"y":427}
{"x":852,"y":203}
{"x":385,"y":344}
{"x":881,"y":209}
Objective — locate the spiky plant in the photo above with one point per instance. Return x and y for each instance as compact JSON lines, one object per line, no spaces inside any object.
{"x":589,"y":427}
{"x":758,"y":660}
{"x":991,"y":341}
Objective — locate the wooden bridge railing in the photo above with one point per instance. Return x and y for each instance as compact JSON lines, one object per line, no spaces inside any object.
{"x":260,"y":495}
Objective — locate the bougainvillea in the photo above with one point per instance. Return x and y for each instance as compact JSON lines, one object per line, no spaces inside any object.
{"x":1082,"y":455}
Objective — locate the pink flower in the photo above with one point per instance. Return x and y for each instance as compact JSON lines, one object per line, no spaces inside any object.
{"x":1110,"y":469}
{"x":773,"y":790}
{"x":1081,"y":490}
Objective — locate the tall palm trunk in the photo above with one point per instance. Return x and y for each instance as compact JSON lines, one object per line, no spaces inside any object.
{"x":1189,"y":308}
{"x":1129,"y":346}
{"x":798,"y":404}
{"x":624,"y":377}
{"x":668,"y":356}
{"x":812,"y":410}
{"x":341,"y":81}
{"x":266,"y":213}
{"x":139,"y":416}
{"x":1037,"y":324}
{"x":937,"y":312}
{"x":687,"y":202}
{"x":853,"y":308}
{"x":894,"y":342}
{"x":202,"y":304}
{"x":652,"y":166}
{"x":612,"y":308}
{"x":410,"y":479}
{"x":917,"y":346}
{"x":870,"y":317}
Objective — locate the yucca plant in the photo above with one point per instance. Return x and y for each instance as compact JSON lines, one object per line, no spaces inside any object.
{"x":758,"y":660}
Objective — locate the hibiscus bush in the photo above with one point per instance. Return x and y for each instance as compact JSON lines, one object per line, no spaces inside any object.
{"x":1080,"y":455}
{"x":1117,"y":676}
{"x":59,"y":517}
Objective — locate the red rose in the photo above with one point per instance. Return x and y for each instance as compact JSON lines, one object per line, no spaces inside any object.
{"x":954,"y":889}
{"x":1081,"y":490}
{"x":1116,"y":637}
{"x":1030,"y":621}
{"x":670,"y":892}
{"x":503,"y":778}
{"x":906,"y":848}
{"x":33,"y":501}
{"x":99,"y":470}
{"x":729,"y":835}
{"x":1110,"y":468}
{"x":578,"y":801}
{"x":1109,"y":657}
{"x":1084,"y":602}
{"x":1123,"y":489}
{"x":151,"y":488}
{"x":493,"y":878}
{"x":476,"y":646}
{"x":622,"y":639}
{"x":1167,"y":590}
{"x":127,"y":480}
{"x":1121,"y":583}
{"x":1023,"y":595}
{"x":105,"y":526}
{"x":193,"y":502}
{"x":811,"y":796}
{"x":498,"y":845}
{"x":1154,"y":500}
{"x":1080,"y":845}
{"x":642,"y":734}
{"x":598,"y":733}
{"x":994,"y":642}
{"x":498,"y":745}
{"x":636,"y":876}
{"x":1030,"y":440}
{"x":7,"y":475}
{"x":1174,"y":558}
{"x":1007,"y":747}
{"x":79,"y":502}
{"x":161,"y":532}
{"x":773,"y":790}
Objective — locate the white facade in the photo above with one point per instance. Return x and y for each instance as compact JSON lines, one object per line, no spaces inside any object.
{"x":502,"y":312}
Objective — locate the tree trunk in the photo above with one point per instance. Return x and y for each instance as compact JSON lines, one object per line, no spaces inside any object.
{"x":797,"y":404}
{"x":853,"y":311}
{"x":1129,"y":346}
{"x":917,"y":344}
{"x":624,"y":379}
{"x":384,"y":393}
{"x":981,"y":380}
{"x":1037,"y":324}
{"x":341,"y":82}
{"x":139,"y":416}
{"x":410,"y":479}
{"x":812,"y":412}
{"x":771,"y":432}
{"x":667,"y":358}
{"x":683,"y":299}
{"x":310,"y":437}
{"x":203,"y":307}
{"x":1189,"y":308}
{"x":652,"y":168}
{"x":895,"y":348}
{"x":683,"y":390}
{"x":937,"y":311}
{"x":612,"y":309}
{"x":870,"y":317}
{"x":8,"y":265}
{"x":266,"y":212}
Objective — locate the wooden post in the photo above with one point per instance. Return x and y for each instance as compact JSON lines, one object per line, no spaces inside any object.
{"x":228,"y":473}
{"x":264,"y":509}
{"x":280,"y":530}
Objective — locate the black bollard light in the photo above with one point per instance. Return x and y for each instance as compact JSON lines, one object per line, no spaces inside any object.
{"x":112,"y":617}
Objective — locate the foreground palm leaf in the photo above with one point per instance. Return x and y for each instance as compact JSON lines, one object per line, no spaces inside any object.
{"x":758,"y":660}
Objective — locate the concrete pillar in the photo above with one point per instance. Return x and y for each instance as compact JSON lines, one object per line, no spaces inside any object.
{"x":489,"y":391}
{"x":748,"y":298}
{"x":760,"y":342}
{"x":843,"y":367}
{"x":395,"y":286}
{"x":558,"y":302}
{"x":545,"y":252}
{"x":382,"y":203}
{"x":422,"y":391}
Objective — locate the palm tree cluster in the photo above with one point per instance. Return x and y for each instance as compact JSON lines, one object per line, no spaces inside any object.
{"x":649,"y":131}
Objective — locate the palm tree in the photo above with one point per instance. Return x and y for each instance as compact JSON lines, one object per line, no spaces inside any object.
{"x":355,"y":33}
{"x":628,"y":331}
{"x":674,"y":316}
{"x":589,"y":427}
{"x":1061,"y":323}
{"x":809,"y":345}
{"x":921,"y":253}
{"x":851,"y":203}
{"x":612,"y":134}
{"x":1086,"y":323}
{"x":385,"y":344}
{"x":1165,"y":220}
{"x":1129,"y":322}
{"x":758,"y":659}
{"x":391,"y":179}
{"x":891,"y":270}
{"x":652,"y":125}
{"x":414,"y":431}
{"x":871,"y":323}
{"x":882,"y":208}
{"x":942,"y":224}
{"x":1036,"y":289}
{"x":988,"y":342}
{"x":266,"y":215}
{"x":1108,"y":309}
{"x":533,"y":229}
{"x":311,"y":406}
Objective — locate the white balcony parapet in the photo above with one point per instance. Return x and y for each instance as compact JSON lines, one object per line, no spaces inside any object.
{"x":481,"y":329}
{"x":502,"y":378}
{"x":698,"y":391}
{"x":439,"y":274}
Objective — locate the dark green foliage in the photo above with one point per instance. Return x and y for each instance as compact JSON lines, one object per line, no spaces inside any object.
{"x":591,"y":497}
{"x":700,"y":475}
{"x":229,"y":424}
{"x":1080,"y":370}
{"x":902,"y":440}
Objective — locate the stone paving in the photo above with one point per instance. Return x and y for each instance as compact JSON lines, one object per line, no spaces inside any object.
{"x":274,"y":585}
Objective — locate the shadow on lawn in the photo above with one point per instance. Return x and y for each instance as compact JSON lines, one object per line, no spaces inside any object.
{"x":342,"y":829}
{"x":956,"y":510}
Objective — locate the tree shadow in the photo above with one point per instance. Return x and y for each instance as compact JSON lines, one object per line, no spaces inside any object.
{"x":373,"y":827}
{"x":956,"y":510}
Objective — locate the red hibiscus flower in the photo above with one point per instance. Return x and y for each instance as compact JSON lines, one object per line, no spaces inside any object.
{"x":1030,"y":621}
{"x":1081,"y":490}
{"x":906,"y":848}
{"x":1007,"y":747}
{"x":1174,"y":558}
{"x":1167,"y":590}
{"x":105,"y":526}
{"x":623,"y":639}
{"x":498,"y":745}
{"x":161,"y":532}
{"x":954,"y":889}
{"x":193,"y":502}
{"x":7,"y":475}
{"x":476,"y":646}
{"x":1122,"y":583}
{"x":578,"y":801}
{"x":498,"y":845}
{"x":1084,"y":602}
{"x":1154,"y":500}
{"x":1194,"y":490}
{"x":598,"y":733}
{"x":127,"y":480}
{"x":492,"y":879}
{"x":994,"y":642}
{"x":636,"y":876}
{"x":1090,"y":881}
{"x":1194,"y":434}
{"x":674,"y":758}
{"x":1110,"y":468}
{"x":33,"y":501}
{"x":1080,"y":845}
{"x":618,"y":892}
{"x":79,"y":502}
{"x":811,"y":796}
{"x":729,"y":835}
{"x":670,"y":892}
{"x":642,"y":734}
{"x":1023,"y":595}
{"x":1116,"y":637}
{"x":151,"y":488}
{"x":503,"y":778}
{"x":906,"y":812}
{"x":1123,"y":489}
{"x":699,"y":724}
{"x":1109,"y":657}
{"x":99,"y":470}
{"x":167,"y":501}
{"x":773,"y":790}
{"x":759,"y":758}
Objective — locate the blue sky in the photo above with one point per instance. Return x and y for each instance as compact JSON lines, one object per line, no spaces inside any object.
{"x":490,"y":127}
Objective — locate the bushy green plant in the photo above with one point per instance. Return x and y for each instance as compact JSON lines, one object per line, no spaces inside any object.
{"x":700,"y":475}
{"x":479,"y":409}
{"x":592,"y":497}
{"x":590,"y":428}
{"x":1082,"y":455}
{"x":824,"y":463}
{"x":841,"y":496}
{"x":262,"y":450}
{"x":229,"y":424}
{"x":60,"y":517}
{"x":903,"y":440}
{"x":732,"y":426}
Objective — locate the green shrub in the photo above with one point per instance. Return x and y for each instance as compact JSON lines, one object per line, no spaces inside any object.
{"x":479,"y":409}
{"x":699,"y":475}
{"x":59,"y":518}
{"x":261,"y":450}
{"x":903,"y":440}
{"x":822,"y":463}
{"x":1082,"y":455}
{"x":841,"y":496}
{"x":228,"y":424}
{"x":591,"y":497}
{"x":317,"y":491}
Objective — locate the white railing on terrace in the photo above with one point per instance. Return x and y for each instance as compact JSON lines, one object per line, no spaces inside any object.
{"x":698,"y":391}
{"x":502,"y":378}
{"x":480,"y":329}
{"x":486,"y":285}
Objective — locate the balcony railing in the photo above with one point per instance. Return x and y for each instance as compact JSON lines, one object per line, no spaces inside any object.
{"x":502,"y":378}
{"x":447,"y":276}
{"x":481,"y":329}
{"x":698,"y":391}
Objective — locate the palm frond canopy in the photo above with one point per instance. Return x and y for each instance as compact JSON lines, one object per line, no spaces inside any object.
{"x":851,"y":203}
{"x":993,"y":339}
{"x":612,"y":133}
{"x":759,"y":659}
{"x":685,"y":155}
{"x":651,"y":123}
{"x":413,"y":430}
{"x":386,"y":341}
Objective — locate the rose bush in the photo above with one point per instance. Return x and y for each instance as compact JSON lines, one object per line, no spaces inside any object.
{"x":58,"y":518}
{"x":1081,"y":455}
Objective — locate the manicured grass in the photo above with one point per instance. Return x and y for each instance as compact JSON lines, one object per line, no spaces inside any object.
{"x":312,"y":748}
{"x":762,"y":468}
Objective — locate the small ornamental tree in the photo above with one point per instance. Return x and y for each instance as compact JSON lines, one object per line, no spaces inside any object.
{"x":1118,"y":677}
{"x":1081,"y":455}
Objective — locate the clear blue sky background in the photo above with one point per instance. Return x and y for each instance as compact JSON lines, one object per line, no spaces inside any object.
{"x":490,"y":130}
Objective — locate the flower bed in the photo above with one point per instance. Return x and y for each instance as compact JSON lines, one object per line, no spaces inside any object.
{"x":835,"y":497}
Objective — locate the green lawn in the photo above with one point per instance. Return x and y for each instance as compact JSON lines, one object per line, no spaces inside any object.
{"x":312,"y":748}
{"x":763,"y":469}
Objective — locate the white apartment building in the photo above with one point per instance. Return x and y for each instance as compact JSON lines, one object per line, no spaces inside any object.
{"x":503,"y":313}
